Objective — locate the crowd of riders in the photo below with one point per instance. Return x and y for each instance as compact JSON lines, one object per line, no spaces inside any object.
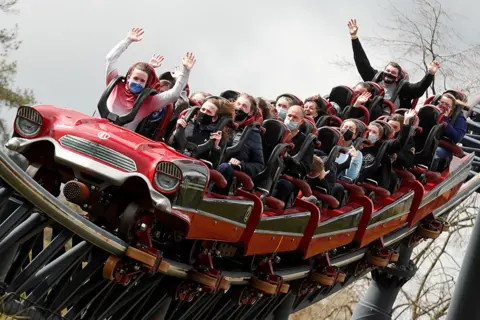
{"x":352,"y":135}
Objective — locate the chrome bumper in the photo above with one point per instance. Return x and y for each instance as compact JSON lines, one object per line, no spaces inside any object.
{"x":90,"y":166}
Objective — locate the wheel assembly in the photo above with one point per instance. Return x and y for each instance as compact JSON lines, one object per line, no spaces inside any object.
{"x":377,"y":261}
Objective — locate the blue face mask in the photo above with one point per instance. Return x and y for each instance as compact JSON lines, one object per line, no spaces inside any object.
{"x":282,"y":113}
{"x":135,"y":87}
{"x":291,"y":125}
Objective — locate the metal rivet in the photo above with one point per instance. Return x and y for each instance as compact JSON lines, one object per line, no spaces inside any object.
{"x":329,"y":238}
{"x":273,"y":238}
{"x":235,"y":228}
{"x":214,"y":221}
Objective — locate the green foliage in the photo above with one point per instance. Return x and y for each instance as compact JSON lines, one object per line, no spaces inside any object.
{"x":10,"y":97}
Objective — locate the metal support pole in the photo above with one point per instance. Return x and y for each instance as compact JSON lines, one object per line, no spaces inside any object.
{"x":381,"y":295}
{"x":464,"y":304}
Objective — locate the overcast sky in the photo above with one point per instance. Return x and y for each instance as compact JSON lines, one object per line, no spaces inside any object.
{"x":263,"y":47}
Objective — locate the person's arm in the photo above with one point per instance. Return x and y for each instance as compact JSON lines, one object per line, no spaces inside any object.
{"x":112,"y":57}
{"x":255,"y":163}
{"x":164,"y":98}
{"x":366,"y":71}
{"x":457,"y":131}
{"x":416,"y":90}
{"x":400,"y":142}
{"x":355,"y":166}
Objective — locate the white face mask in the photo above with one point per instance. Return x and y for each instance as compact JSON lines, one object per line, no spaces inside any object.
{"x":372,"y":137}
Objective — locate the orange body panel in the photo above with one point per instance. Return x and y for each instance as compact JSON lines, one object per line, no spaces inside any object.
{"x":207,"y":228}
{"x":262,"y":243}
{"x":322,"y":244}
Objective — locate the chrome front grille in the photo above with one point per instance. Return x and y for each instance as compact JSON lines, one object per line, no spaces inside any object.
{"x":30,"y":114}
{"x":99,"y":152}
{"x":169,"y":169}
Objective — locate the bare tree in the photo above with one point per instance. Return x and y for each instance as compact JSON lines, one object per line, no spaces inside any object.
{"x":422,"y":33}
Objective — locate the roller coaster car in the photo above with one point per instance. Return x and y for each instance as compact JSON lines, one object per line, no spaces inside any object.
{"x":156,"y":197}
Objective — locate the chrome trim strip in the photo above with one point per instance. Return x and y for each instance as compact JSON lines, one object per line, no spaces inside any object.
{"x":321,"y":235}
{"x":279,"y":233}
{"x":210,"y":215}
{"x":389,"y":219}
{"x":355,"y":211}
{"x":84,"y":164}
{"x":286,"y":216}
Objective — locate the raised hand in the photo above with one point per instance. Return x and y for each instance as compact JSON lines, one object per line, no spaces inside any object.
{"x":409,"y":115}
{"x":362,"y":99}
{"x":136,"y":34}
{"x":188,"y":61}
{"x":433,"y":67}
{"x":156,"y":60}
{"x":352,"y":27}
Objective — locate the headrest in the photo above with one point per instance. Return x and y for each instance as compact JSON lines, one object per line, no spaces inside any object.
{"x":430,"y":115}
{"x":378,"y":90}
{"x":330,"y":137}
{"x":458,"y":95}
{"x":230,"y":95}
{"x":274,"y":130}
{"x":388,"y":132}
{"x":342,"y":95}
{"x":404,"y":75}
{"x":295,"y":99}
{"x":361,"y":126}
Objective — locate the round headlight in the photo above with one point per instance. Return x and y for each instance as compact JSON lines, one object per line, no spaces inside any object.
{"x":167,"y":177}
{"x":28,"y":122}
{"x":27,"y":127}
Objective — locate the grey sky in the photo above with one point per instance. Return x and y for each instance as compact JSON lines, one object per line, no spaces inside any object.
{"x":261,"y":47}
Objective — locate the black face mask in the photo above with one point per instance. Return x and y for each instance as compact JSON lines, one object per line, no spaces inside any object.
{"x":347,"y":134}
{"x":204,"y":118}
{"x":240,"y":115}
{"x":388,"y":78}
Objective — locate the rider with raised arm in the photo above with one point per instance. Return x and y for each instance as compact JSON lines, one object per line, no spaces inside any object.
{"x":391,"y":74}
{"x":376,"y":134}
{"x":139,"y":76}
{"x":455,"y":130}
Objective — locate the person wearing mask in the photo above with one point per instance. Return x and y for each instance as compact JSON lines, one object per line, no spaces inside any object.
{"x":404,"y":158}
{"x":350,"y":163}
{"x":455,"y":130}
{"x":282,"y":105}
{"x":141,"y":75}
{"x":249,"y":158}
{"x":297,"y":168}
{"x":201,"y":128}
{"x":385,"y":177}
{"x":391,"y":74}
{"x":319,"y":178}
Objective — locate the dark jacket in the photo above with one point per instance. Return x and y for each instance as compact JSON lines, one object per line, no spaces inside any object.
{"x":299,"y":169}
{"x":198,"y":134}
{"x":409,"y":90}
{"x":251,"y":154}
{"x":330,"y":179}
{"x":382,"y":175}
{"x":457,"y":131}
{"x":406,"y":156}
